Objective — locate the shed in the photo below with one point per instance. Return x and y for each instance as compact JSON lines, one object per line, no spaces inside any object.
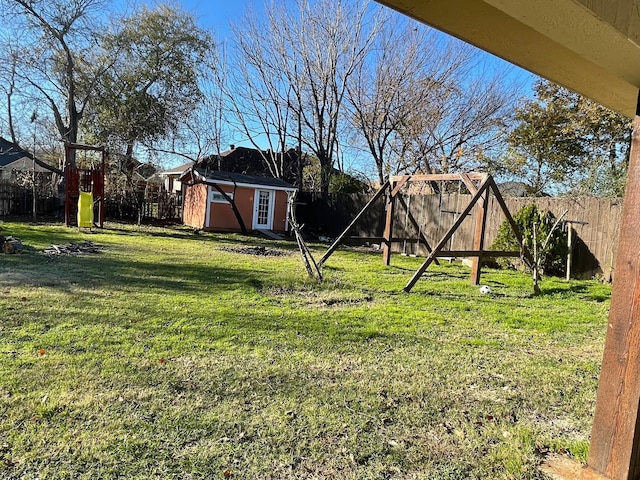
{"x":262,"y":202}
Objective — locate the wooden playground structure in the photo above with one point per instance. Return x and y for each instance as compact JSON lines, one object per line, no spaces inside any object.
{"x":480,"y":185}
{"x":79,"y":181}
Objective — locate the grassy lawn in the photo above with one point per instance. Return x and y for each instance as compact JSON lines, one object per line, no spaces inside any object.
{"x":172,"y":354}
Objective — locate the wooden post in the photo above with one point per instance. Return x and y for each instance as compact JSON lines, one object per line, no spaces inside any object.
{"x":615,"y":438}
{"x":478,"y":241}
{"x":388,"y":227}
{"x":569,"y":249}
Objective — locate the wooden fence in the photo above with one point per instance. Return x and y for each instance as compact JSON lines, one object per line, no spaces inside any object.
{"x":18,"y":200}
{"x":158,"y":206}
{"x":595,"y":223}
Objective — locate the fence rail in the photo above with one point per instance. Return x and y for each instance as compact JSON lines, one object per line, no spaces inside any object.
{"x":134,"y":206}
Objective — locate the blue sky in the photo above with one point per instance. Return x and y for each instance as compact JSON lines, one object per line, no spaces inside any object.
{"x":219,"y":14}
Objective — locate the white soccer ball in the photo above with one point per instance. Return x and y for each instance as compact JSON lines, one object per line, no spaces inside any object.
{"x":485,"y":289}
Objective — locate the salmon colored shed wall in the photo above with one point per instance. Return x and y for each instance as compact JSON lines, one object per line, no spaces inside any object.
{"x":194,"y":205}
{"x":280,"y":212}
{"x":221,"y":216}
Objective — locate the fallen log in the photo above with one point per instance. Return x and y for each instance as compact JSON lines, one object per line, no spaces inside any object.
{"x":12,"y":245}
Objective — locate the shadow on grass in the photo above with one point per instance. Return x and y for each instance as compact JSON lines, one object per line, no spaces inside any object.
{"x":208,"y":313}
{"x":442,"y":276}
{"x":582,"y":290}
{"x":563,"y":289}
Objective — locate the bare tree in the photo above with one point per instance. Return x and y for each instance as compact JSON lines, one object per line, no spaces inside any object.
{"x":464,"y":119}
{"x":386,"y":88}
{"x":59,"y":62}
{"x":260,"y":95}
{"x":8,"y":72}
{"x":292,"y":79}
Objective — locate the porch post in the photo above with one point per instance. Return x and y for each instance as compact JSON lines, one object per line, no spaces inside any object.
{"x":614,"y":452}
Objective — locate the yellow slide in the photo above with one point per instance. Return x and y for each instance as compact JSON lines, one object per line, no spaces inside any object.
{"x":85,"y":210}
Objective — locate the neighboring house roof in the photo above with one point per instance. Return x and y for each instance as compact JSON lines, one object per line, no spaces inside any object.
{"x":240,"y":160}
{"x":176,"y":171}
{"x":24,"y":164}
{"x":12,"y":157}
{"x":232,"y":178}
{"x":249,"y":161}
{"x":155,"y":178}
{"x":517,"y":189}
{"x":9,"y":153}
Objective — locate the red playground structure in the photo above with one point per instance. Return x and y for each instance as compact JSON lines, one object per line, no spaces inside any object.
{"x":85,"y":179}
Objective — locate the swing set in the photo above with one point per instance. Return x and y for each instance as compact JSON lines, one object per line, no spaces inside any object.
{"x":480,"y":185}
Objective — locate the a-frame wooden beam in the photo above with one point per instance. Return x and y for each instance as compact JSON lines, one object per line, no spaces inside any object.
{"x":514,"y":226}
{"x":483,"y":188}
{"x":480,"y":194}
{"x":478,"y":238}
{"x":346,"y":231}
{"x":397,"y":182}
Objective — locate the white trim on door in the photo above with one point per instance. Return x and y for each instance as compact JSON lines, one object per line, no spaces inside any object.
{"x":263,"y":205}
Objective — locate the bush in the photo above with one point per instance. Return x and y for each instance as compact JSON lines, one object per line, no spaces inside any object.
{"x":553,"y":259}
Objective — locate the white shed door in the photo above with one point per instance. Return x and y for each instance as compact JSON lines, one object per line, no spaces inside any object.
{"x":263,"y":210}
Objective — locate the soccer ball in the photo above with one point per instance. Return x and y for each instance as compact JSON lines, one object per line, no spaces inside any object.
{"x":485,"y":289}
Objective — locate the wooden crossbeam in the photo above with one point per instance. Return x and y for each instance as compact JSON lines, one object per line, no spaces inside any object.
{"x":437,"y":177}
{"x":401,"y":183}
{"x":466,"y":179}
{"x":477,"y":253}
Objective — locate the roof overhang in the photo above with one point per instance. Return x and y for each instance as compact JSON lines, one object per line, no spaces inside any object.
{"x":209,"y":181}
{"x":589,"y":46}
{"x":199,"y":178}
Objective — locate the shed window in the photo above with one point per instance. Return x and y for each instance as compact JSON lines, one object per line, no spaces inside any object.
{"x":218,"y":198}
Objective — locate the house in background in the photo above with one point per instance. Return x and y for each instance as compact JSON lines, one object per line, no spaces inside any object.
{"x":262,"y":202}
{"x":171,"y":178}
{"x":243,"y":160}
{"x":15,"y":160}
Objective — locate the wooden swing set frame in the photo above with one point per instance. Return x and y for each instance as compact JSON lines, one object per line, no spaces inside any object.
{"x":480,"y":185}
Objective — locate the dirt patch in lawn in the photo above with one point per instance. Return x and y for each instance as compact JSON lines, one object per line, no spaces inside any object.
{"x":258,"y":251}
{"x":320,"y":299}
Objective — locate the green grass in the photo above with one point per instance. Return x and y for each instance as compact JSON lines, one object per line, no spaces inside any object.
{"x":169,"y":355}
